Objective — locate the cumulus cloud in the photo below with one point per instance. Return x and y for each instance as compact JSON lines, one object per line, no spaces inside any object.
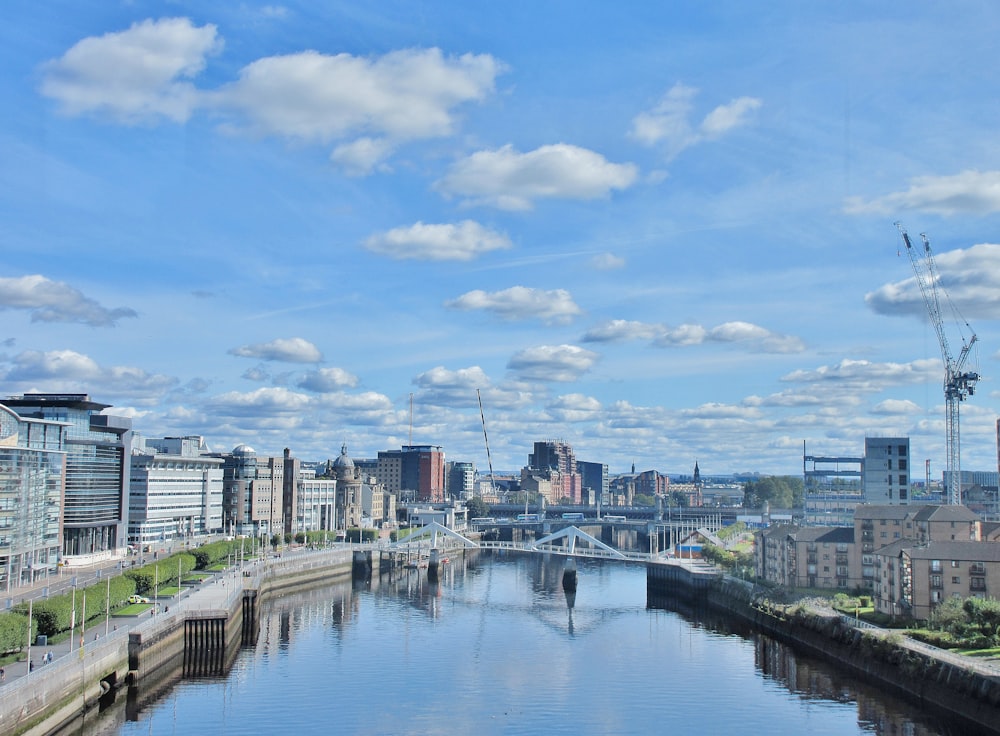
{"x":895,"y":407}
{"x":863,"y":375}
{"x":292,"y":350}
{"x":314,"y":97}
{"x":442,"y":387}
{"x":575,"y":408}
{"x":561,"y":363}
{"x":445,"y":242}
{"x":508,"y":179}
{"x":620,"y":330}
{"x":607,"y":262}
{"x":54,"y":301}
{"x":261,"y":402}
{"x":755,"y":337}
{"x":362,"y":156}
{"x":970,"y":277}
{"x":327,"y":379}
{"x":969,"y":192}
{"x":134,"y":75}
{"x":669,"y":122}
{"x":369,"y":409}
{"x":520,"y":302}
{"x":68,"y":370}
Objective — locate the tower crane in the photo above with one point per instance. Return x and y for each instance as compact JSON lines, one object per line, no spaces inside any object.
{"x":958,"y":382}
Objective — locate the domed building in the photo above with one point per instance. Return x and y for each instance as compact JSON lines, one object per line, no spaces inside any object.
{"x":348,"y":490}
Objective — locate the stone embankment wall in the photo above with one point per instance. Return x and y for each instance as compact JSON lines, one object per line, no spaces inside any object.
{"x":162,"y":647}
{"x":941,"y":683}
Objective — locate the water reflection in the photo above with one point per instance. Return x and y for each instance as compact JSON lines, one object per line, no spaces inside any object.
{"x":810,"y":679}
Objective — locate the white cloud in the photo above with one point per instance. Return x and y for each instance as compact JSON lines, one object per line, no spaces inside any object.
{"x":575,"y":408}
{"x":863,"y":375}
{"x":133,"y":75}
{"x":442,"y":387}
{"x":327,"y":379}
{"x":755,"y":337}
{"x":562,"y":363}
{"x":260,"y":403}
{"x":314,"y":97}
{"x":758,"y":337}
{"x":607,"y":262}
{"x":511,"y":180}
{"x":54,"y":301}
{"x":292,"y":350}
{"x":68,"y":370}
{"x":620,"y":330}
{"x":669,"y":122}
{"x":445,"y":242}
{"x":520,"y":302}
{"x":970,"y":277}
{"x":896,"y":407}
{"x":969,"y":192}
{"x":362,"y":156}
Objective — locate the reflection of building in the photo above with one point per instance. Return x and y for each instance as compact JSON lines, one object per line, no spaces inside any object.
{"x":97,"y":445}
{"x":175,"y":490}
{"x":32,"y":459}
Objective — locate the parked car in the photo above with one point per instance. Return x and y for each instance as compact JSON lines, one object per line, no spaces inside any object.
{"x":138,"y":599}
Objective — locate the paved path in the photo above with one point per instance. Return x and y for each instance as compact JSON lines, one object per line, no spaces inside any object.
{"x":215,"y":592}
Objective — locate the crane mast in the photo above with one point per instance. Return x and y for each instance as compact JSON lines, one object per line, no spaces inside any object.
{"x":958,"y":383}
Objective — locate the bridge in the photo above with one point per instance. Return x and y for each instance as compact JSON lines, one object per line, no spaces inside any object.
{"x":434,"y":539}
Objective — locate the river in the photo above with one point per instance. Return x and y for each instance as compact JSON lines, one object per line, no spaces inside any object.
{"x":497,"y":647}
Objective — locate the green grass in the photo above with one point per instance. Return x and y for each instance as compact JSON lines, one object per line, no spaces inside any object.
{"x":991,"y":653}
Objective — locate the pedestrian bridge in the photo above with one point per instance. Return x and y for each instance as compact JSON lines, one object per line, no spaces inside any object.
{"x":569,"y":541}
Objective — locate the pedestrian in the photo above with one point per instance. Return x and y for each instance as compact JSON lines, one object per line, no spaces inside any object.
{"x":3,"y":674}
{"x":31,"y":666}
{"x":48,"y":657}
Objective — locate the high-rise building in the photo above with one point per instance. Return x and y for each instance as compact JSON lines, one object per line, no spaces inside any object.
{"x":98,"y":446}
{"x":414,"y":473}
{"x":594,"y":476}
{"x":886,"y":471}
{"x":175,"y":490}
{"x":32,"y":465}
{"x":461,"y":480}
{"x":554,"y":462}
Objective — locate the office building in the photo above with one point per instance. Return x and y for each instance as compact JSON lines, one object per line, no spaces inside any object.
{"x":98,"y":446}
{"x":32,"y":465}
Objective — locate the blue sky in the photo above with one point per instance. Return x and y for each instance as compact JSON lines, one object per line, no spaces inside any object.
{"x":662,"y":233}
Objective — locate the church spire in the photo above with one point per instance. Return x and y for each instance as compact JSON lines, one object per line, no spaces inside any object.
{"x":697,"y":474}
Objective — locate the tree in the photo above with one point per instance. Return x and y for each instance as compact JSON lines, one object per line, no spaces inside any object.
{"x":641,"y":499}
{"x":678,"y":498}
{"x":477,"y":507}
{"x":778,"y":491}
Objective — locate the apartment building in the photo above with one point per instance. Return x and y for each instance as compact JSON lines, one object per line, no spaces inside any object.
{"x":911,"y":579}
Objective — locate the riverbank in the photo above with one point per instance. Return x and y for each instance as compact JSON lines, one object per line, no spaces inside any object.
{"x":958,"y":688}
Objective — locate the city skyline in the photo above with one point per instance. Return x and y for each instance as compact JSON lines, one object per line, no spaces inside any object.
{"x":662,"y":236}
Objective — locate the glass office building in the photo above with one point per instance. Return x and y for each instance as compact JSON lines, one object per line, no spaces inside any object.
{"x":97,"y":445}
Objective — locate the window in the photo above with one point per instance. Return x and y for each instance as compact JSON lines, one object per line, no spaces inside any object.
{"x":935,"y":565}
{"x":956,"y":580}
{"x":902,"y":450}
{"x":902,"y":465}
{"x":936,"y":581}
{"x":954,"y":563}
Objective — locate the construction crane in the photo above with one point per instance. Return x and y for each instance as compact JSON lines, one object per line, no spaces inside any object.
{"x":493,"y":483}
{"x":958,"y":383}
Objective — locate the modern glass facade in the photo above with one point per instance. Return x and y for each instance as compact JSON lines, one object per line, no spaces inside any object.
{"x":32,"y":461}
{"x":94,"y":510}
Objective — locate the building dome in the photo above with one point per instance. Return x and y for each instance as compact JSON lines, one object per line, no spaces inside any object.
{"x":244,"y":451}
{"x":343,"y":466}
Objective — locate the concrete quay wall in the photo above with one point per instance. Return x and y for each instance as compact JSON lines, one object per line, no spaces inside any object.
{"x":954,"y":688}
{"x":201,"y":634}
